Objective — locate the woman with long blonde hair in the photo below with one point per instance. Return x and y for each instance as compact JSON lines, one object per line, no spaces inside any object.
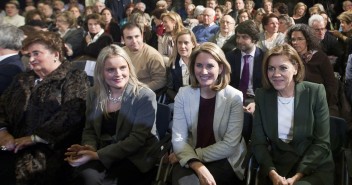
{"x":119,"y":128}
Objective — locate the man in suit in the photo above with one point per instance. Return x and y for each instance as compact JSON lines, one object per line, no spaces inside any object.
{"x":10,"y":62}
{"x":246,"y":60}
{"x":10,"y":65}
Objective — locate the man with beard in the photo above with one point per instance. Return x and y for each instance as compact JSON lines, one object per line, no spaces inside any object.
{"x":246,"y":61}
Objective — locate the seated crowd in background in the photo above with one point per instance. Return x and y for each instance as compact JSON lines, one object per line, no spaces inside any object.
{"x":208,"y":62}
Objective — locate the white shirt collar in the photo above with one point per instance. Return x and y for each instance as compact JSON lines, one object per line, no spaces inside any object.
{"x":6,"y":56}
{"x":251,"y":53}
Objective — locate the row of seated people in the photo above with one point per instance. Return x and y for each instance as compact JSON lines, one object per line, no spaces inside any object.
{"x":43,"y":112}
{"x":42,"y":115}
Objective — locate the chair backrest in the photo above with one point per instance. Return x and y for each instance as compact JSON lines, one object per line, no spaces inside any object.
{"x":338,"y":131}
{"x":247,"y":126}
{"x":163,"y":118}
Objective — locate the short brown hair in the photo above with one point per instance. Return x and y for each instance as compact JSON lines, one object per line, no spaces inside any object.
{"x":52,"y":41}
{"x":215,"y":51}
{"x":291,"y":54}
{"x":96,"y":17}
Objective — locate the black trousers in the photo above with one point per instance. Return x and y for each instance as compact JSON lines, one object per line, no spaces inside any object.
{"x":221,"y":171}
{"x":7,"y":168}
{"x":123,"y":172}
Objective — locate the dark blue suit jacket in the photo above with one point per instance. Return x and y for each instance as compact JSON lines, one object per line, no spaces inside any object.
{"x":9,"y":67}
{"x":234,"y":58}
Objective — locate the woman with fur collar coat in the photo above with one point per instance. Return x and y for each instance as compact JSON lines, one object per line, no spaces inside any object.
{"x":42,"y":113}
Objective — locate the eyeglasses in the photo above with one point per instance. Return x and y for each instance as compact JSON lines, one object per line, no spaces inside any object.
{"x":319,"y":30}
{"x":299,"y":39}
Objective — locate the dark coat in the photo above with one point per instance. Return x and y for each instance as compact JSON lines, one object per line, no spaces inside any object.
{"x":53,"y":110}
{"x":234,"y":58}
{"x":9,"y":67}
{"x":309,"y":151}
{"x":74,"y":38}
{"x":133,"y":138}
{"x":93,"y":49}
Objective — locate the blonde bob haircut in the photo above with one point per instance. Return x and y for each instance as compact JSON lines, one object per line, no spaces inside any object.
{"x":291,"y":54}
{"x":100,"y":87}
{"x":215,"y":51}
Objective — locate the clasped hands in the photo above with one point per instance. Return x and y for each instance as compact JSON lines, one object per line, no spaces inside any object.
{"x":279,"y":180}
{"x":9,"y":143}
{"x":77,"y":155}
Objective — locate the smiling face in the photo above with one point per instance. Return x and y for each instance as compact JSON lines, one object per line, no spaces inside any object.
{"x":280,"y":74}
{"x":169,"y":24}
{"x":244,"y":42}
{"x":116,"y":72}
{"x":185,"y":45}
{"x":206,"y":70}
{"x":41,"y":59}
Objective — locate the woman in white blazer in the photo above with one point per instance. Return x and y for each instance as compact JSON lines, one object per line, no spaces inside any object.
{"x":207,"y":124}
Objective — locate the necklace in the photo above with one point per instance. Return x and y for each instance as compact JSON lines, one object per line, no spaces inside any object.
{"x":280,"y":99}
{"x":115,"y":100}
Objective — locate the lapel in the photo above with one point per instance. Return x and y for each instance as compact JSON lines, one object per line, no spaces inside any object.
{"x":127,"y":99}
{"x":237,"y":67}
{"x":257,"y":66}
{"x":272,"y":124}
{"x":220,"y":106}
{"x":302,"y":97}
{"x":192,"y":118}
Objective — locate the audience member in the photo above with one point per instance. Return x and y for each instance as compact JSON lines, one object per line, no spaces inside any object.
{"x":111,"y":26}
{"x":208,"y":150}
{"x":99,"y":5}
{"x":212,"y":4}
{"x":96,"y":38}
{"x":285,"y":23}
{"x":128,"y":11}
{"x":299,"y":13}
{"x":249,"y":6}
{"x":243,"y":15}
{"x":268,"y":6}
{"x":270,"y":37}
{"x":292,"y":119}
{"x":178,"y":75}
{"x":10,"y":62}
{"x":208,"y":29}
{"x":317,"y":65}
{"x":147,"y":61}
{"x":42,"y":114}
{"x":172,"y":23}
{"x":226,"y":32}
{"x":120,"y":125}
{"x":72,"y":36}
{"x":12,"y":9}
{"x":328,"y":43}
{"x":246,"y":61}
